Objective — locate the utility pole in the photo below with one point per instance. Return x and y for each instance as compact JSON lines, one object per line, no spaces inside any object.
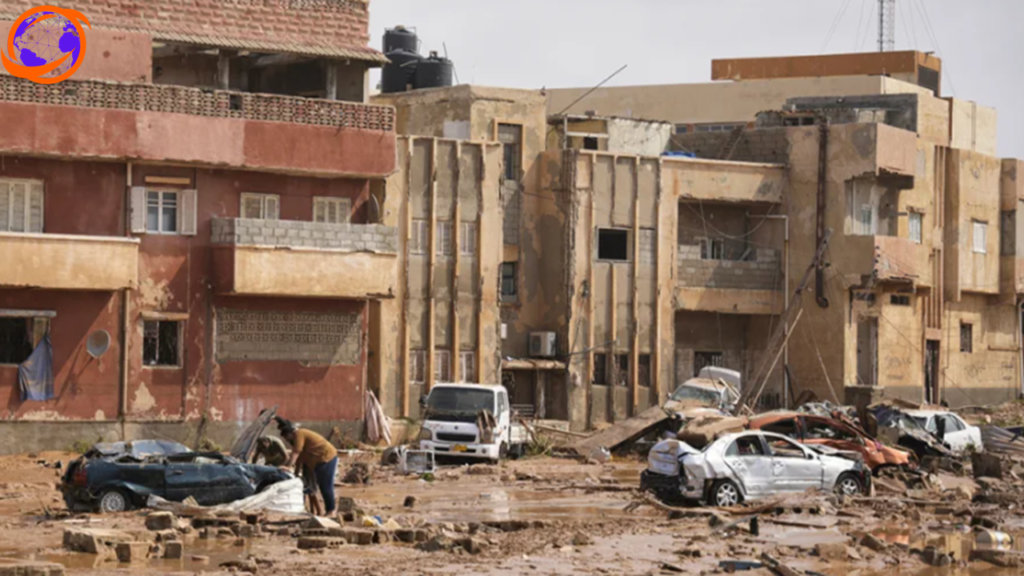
{"x":886,"y":25}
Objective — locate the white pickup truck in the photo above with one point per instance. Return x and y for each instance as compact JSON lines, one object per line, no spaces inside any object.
{"x":452,"y":417}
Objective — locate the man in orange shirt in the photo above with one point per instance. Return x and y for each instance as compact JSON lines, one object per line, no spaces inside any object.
{"x":312,"y":450}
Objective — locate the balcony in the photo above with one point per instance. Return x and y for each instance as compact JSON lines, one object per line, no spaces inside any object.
{"x":163,"y":123}
{"x":304,"y":259}
{"x":751,"y":285}
{"x":722,"y":181}
{"x":62,"y":262}
{"x":882,"y":259}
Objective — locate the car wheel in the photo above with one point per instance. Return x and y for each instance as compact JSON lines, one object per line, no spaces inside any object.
{"x":114,"y":500}
{"x":725,"y":493}
{"x":848,"y":485}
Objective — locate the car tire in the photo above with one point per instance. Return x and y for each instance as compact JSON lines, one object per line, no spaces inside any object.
{"x":725,"y":493}
{"x":113,"y":500}
{"x":848,"y":485}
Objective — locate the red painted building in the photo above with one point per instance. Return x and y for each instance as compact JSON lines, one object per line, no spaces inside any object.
{"x":201,"y":200}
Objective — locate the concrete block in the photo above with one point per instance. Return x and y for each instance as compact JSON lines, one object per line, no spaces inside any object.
{"x":129,"y":552}
{"x":174,"y":549}
{"x":161,"y":521}
{"x":319,"y":542}
{"x":93,"y":540}
{"x":19,"y":567}
{"x":354,"y":535}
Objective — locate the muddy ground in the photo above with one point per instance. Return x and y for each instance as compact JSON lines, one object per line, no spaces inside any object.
{"x":583,"y":519}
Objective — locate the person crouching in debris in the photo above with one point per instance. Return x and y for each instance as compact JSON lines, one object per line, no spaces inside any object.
{"x":312,"y":450}
{"x":272,"y":450}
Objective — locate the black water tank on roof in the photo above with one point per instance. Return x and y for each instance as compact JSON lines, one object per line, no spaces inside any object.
{"x":434,"y":72}
{"x":400,"y":72}
{"x":400,"y":38}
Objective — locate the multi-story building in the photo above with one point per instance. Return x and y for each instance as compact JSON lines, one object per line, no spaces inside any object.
{"x":194,"y":221}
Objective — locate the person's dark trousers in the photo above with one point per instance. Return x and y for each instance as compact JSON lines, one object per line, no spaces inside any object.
{"x":325,"y":478}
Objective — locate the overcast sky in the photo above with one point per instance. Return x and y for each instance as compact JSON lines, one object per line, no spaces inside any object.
{"x":566,"y":43}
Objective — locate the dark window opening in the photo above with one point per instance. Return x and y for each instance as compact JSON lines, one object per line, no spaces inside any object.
{"x":15,"y":340}
{"x":511,"y":138}
{"x":590,"y":143}
{"x":704,"y":359}
{"x":785,"y":427}
{"x":235,"y":102}
{"x":508,"y":278}
{"x":966,"y":338}
{"x":612,"y":244}
{"x":622,"y":369}
{"x":160,"y":343}
{"x":746,"y":446}
{"x":899,"y":300}
{"x":600,"y":369}
{"x":644,"y":370}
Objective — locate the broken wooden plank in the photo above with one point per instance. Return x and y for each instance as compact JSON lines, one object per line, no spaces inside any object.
{"x":622,"y":432}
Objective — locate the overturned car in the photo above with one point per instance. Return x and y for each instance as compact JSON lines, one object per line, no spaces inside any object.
{"x":119,"y":476}
{"x":748,"y":466}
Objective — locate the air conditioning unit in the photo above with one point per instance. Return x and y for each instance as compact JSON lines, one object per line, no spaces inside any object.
{"x":542,"y":344}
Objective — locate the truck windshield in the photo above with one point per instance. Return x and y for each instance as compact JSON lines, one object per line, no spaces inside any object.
{"x":461,"y":401}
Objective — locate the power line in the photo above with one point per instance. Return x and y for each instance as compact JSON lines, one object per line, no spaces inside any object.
{"x":860,"y":21}
{"x":835,"y":25}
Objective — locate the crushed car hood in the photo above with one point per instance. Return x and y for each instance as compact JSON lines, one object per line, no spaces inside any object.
{"x":245,"y":446}
{"x":136,"y":449}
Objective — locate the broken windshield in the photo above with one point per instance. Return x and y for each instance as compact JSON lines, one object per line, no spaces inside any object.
{"x":461,"y":401}
{"x":702,"y":395}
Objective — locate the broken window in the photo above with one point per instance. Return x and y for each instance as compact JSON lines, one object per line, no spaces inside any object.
{"x":915,"y":224}
{"x":467,"y":239}
{"x":418,"y":366}
{"x":746,"y":446}
{"x":783,"y":448}
{"x":467,"y":366}
{"x":332,"y":210}
{"x":418,"y":237}
{"x":260,"y":206}
{"x":442,"y":366}
{"x":161,"y":212}
{"x":899,"y":300}
{"x":508,"y":279}
{"x":980,"y":230}
{"x":966,"y":338}
{"x":622,"y":369}
{"x":702,"y":360}
{"x":600,"y":369}
{"x":16,"y":340}
{"x":21,"y":205}
{"x":443,"y":239}
{"x":160,"y":343}
{"x":785,"y":427}
{"x":511,"y":138}
{"x":613,"y":244}
{"x":644,"y":370}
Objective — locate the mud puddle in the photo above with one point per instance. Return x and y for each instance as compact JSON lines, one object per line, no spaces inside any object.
{"x":957,"y":541}
{"x":215,"y":552}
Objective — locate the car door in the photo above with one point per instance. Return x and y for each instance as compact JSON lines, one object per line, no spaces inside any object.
{"x":181,"y":478}
{"x":210,"y":479}
{"x":794,"y":468}
{"x":747,"y":457}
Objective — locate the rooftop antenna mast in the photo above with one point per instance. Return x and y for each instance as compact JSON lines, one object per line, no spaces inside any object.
{"x":886,"y":25}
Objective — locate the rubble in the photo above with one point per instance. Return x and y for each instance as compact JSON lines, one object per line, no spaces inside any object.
{"x":161,"y":521}
{"x":129,"y":552}
{"x":94,"y":540}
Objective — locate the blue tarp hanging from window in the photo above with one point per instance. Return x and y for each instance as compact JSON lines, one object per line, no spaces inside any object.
{"x":35,"y":375}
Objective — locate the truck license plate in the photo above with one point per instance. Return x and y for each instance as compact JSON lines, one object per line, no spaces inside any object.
{"x":458,"y":448}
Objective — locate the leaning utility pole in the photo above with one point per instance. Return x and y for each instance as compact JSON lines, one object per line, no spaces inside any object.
{"x":886,"y":25}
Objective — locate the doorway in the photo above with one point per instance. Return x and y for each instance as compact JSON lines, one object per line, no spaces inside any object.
{"x":931,"y":372}
{"x":867,"y":352}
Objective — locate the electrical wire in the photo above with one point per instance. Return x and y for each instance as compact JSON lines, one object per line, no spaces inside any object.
{"x":860,"y":21}
{"x":835,"y":24}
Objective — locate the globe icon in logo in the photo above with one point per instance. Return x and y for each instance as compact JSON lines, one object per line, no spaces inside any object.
{"x":44,"y":38}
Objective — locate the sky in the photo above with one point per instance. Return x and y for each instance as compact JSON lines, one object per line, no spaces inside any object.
{"x":570,"y":43}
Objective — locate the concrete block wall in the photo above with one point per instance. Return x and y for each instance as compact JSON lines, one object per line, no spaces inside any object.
{"x":762,"y":273}
{"x":375,"y":238}
{"x":756,"y":145}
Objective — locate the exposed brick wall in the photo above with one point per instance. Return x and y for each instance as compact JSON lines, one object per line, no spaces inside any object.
{"x":328,"y":338}
{"x":294,"y":233}
{"x":756,"y":145}
{"x":764,"y":273}
{"x":198,"y":102}
{"x":301,"y":22}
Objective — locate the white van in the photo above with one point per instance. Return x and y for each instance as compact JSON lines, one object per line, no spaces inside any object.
{"x":450,"y":428}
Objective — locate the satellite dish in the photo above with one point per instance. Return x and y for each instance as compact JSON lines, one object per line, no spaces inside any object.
{"x":98,"y":343}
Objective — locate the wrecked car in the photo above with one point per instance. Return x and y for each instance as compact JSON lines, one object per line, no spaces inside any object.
{"x":711,"y":393}
{"x":949,"y":428}
{"x":748,"y":466}
{"x":120,"y":476}
{"x":907,"y":432}
{"x":816,"y":430}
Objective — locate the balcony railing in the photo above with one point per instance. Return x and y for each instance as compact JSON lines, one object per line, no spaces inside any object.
{"x":66,"y":262}
{"x":374,"y":238}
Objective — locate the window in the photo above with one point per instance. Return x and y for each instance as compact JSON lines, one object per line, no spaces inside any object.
{"x":644,"y":370}
{"x":966,"y":338}
{"x":590,"y":143}
{"x":444,"y":239}
{"x":508,"y":279}
{"x":260,"y":206}
{"x":613,"y":244}
{"x":601,"y":369}
{"x":980,"y":231}
{"x":953,"y":423}
{"x":899,"y":300}
{"x":746,"y":446}
{"x":418,"y":237}
{"x":782,"y":448}
{"x":418,"y":366}
{"x":467,"y":366}
{"x":332,"y":210}
{"x":511,"y":138}
{"x":161,"y":212}
{"x":622,"y":369}
{"x":704,"y":359}
{"x":786,"y":427}
{"x":867,"y":219}
{"x":712,"y":249}
{"x":21,"y":205}
{"x":682,"y":128}
{"x":915,"y":223}
{"x":160,"y":343}
{"x":16,"y":340}
{"x":442,"y":366}
{"x":467,"y":239}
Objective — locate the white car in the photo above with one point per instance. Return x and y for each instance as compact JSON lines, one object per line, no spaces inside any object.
{"x":748,"y":466}
{"x":949,"y":428}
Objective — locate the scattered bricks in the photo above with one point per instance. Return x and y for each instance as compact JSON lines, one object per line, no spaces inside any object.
{"x":93,"y":541}
{"x":286,"y":531}
{"x":129,"y":552}
{"x":411,"y":535}
{"x":213,"y":521}
{"x":472,"y":545}
{"x":831,"y":551}
{"x":161,"y":521}
{"x":436,"y":544}
{"x":383,"y":536}
{"x":174,"y":549}
{"x":249,"y":530}
{"x":319,"y":543}
{"x":19,"y":567}
{"x":354,"y":535}
{"x":166,"y":535}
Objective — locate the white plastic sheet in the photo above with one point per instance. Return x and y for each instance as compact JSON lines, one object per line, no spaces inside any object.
{"x":285,"y":497}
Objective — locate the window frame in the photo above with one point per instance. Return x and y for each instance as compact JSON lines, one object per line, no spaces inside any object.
{"x":442,"y":365}
{"x":979,"y":226}
{"x":31,"y":187}
{"x":966,"y":345}
{"x":342,"y":206}
{"x":467,"y":239}
{"x":444,"y":235}
{"x":161,"y":193}
{"x":513,"y":277}
{"x":179,"y":357}
{"x":467,"y":367}
{"x":900,"y":300}
{"x":624,"y":231}
{"x":644,"y":367}
{"x":918,"y":217}
{"x":600,"y":366}
{"x":419,"y":236}
{"x":264,"y":200}
{"x":32,"y":321}
{"x":758,"y":439}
